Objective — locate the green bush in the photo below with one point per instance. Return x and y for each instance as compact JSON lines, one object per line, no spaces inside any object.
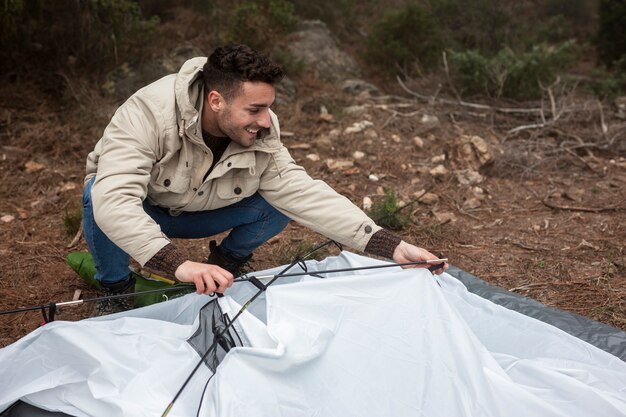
{"x":39,"y":35}
{"x":387,"y":213}
{"x":611,"y":38}
{"x":510,"y":74}
{"x":405,"y":38}
{"x":258,"y":23}
{"x":611,"y":83}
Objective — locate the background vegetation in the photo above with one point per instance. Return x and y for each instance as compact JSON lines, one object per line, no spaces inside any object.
{"x":495,"y":48}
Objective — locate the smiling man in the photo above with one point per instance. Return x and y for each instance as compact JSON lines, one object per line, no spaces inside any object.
{"x":198,"y":153}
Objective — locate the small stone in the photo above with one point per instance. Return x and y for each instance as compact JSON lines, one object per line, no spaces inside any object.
{"x":439,"y":171}
{"x":354,"y":110}
{"x":373,"y":178}
{"x":479,"y":193}
{"x":358,"y":127}
{"x":334,"y":164}
{"x":444,"y":217}
{"x":358,"y":155}
{"x":334,"y":133}
{"x":371,"y":134}
{"x":396,"y":138}
{"x":419,"y":142}
{"x":313,"y":157}
{"x":32,"y":166}
{"x":427,"y":198}
{"x":7,"y":218}
{"x":367,"y":203}
{"x":438,"y":158}
{"x":471,"y":203}
{"x":429,"y":120}
{"x":469,"y":177}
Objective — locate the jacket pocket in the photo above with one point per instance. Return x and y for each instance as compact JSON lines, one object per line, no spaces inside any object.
{"x":170,"y":180}
{"x":236,"y":188}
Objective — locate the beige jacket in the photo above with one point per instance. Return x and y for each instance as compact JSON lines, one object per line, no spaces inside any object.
{"x":153,"y":149}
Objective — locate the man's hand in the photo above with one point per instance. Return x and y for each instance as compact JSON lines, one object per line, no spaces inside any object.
{"x":405,"y":252}
{"x":207,"y":277}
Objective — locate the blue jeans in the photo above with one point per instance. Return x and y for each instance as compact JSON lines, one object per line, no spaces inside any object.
{"x":253,"y":221}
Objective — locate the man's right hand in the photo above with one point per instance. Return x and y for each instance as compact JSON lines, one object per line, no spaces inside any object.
{"x":207,"y":277}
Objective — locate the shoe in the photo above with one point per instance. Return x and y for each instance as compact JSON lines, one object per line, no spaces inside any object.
{"x":115,"y":305}
{"x":234,"y":265}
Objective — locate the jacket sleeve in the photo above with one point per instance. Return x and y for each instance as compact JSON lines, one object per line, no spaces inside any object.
{"x":126,"y":155}
{"x":313,"y":203}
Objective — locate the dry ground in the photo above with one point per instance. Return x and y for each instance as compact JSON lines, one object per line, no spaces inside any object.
{"x":570,"y":257}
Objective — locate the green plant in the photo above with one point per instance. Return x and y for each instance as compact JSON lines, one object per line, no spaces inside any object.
{"x":404,"y":39}
{"x":40,"y":35}
{"x":387,"y":212}
{"x":72,"y":218}
{"x":609,"y":83}
{"x":511,"y":74}
{"x":610,"y":39}
{"x":292,"y":65}
{"x":258,"y":23}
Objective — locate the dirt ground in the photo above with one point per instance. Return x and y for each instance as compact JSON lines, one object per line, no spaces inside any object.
{"x":551,"y":224}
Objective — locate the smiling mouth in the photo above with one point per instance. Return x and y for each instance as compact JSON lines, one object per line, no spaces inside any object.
{"x":253,"y":132}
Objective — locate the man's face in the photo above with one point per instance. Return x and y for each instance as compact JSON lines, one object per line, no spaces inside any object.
{"x":246,"y":113}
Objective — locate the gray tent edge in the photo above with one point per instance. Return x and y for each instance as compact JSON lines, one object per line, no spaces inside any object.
{"x":602,"y":336}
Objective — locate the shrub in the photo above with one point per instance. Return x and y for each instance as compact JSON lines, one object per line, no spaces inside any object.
{"x":40,"y":35}
{"x":510,"y":74}
{"x":72,"y":219}
{"x":386,"y":212}
{"x":405,"y":38}
{"x":258,"y":23}
{"x":610,"y":39}
{"x":611,"y":83}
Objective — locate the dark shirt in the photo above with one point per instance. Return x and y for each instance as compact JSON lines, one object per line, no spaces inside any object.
{"x":217,"y":146}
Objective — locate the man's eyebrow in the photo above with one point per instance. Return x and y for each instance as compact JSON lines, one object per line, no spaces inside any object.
{"x":258,"y":105}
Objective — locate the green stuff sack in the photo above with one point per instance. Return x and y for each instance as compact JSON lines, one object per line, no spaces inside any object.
{"x":82,"y":263}
{"x":144,"y":284}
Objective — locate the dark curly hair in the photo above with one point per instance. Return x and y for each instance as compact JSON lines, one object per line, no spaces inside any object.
{"x":229,"y":66}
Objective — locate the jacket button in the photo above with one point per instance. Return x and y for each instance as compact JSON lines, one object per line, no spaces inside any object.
{"x":167,"y":182}
{"x":237,"y":190}
{"x":229,"y":164}
{"x":368,"y":229}
{"x":201,"y":193}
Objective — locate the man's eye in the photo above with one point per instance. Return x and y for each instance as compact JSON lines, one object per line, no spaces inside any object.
{"x":253,"y":111}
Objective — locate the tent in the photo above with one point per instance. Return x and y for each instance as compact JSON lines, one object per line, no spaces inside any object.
{"x":386,"y":342}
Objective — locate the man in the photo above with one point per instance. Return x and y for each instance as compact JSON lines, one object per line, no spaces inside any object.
{"x":198,"y":153}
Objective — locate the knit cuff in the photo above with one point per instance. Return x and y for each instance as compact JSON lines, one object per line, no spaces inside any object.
{"x":383,"y":243}
{"x":166,"y":261}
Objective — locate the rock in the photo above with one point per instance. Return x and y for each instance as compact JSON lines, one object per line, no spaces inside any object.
{"x":335,"y":164}
{"x":471,"y":203}
{"x":313,"y":157}
{"x":437,"y":159}
{"x":444,"y":217}
{"x":313,"y":43}
{"x":370,"y":134}
{"x":68,"y":186}
{"x":470,"y":152}
{"x":479,"y":193}
{"x":32,"y":167}
{"x":419,"y":142}
{"x":439,"y":171}
{"x":354,"y":110}
{"x":7,"y":218}
{"x":429,"y":120}
{"x":396,"y":138}
{"x":323,"y":143}
{"x":357,"y":87}
{"x":367,"y":203}
{"x":373,"y":178}
{"x":426,"y":198}
{"x":358,"y":127}
{"x":358,"y":155}
{"x":286,"y":92}
{"x":469,"y":177}
{"x":324,"y":115}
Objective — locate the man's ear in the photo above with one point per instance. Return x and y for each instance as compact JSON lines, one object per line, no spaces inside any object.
{"x":215,"y":101}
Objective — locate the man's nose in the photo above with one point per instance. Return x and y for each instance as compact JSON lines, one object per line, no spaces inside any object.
{"x":264,"y":119}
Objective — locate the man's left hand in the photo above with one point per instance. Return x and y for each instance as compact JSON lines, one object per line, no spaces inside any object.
{"x":405,"y":252}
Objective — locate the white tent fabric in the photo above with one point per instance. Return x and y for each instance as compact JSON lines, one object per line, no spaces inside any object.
{"x":384,"y":342}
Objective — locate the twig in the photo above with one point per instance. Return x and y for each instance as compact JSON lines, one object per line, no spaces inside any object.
{"x":76,"y":237}
{"x":429,"y":99}
{"x":615,"y":207}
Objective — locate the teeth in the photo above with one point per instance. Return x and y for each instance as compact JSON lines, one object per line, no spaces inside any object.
{"x":252,"y":131}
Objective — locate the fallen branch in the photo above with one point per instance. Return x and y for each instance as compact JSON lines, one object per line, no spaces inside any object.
{"x":76,"y":237}
{"x":615,"y":207}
